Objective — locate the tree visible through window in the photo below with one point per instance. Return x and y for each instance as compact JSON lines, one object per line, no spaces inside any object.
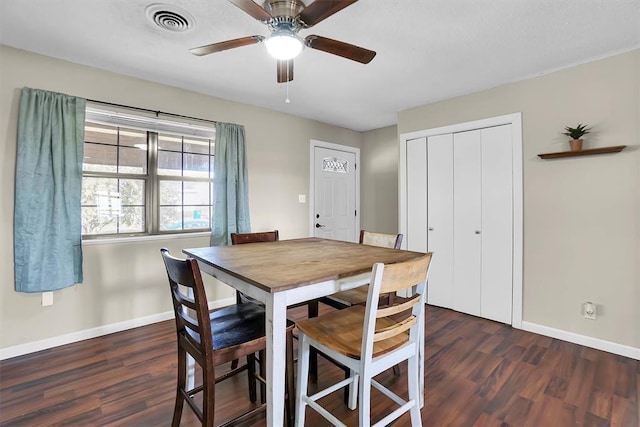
{"x":138,"y":182}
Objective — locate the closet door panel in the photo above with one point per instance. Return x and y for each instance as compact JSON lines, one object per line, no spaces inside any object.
{"x":440,"y":219}
{"x":416,"y":237}
{"x":497,"y":224}
{"x":467,"y":237}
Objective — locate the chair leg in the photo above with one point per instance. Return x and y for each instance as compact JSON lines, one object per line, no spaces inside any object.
{"x":263,"y":373}
{"x":181,"y":383}
{"x":208,"y":398}
{"x":290,"y":385}
{"x":251,"y":371}
{"x":347,"y":392}
{"x":234,"y":362}
{"x":303,"y":378}
{"x":351,"y":391}
{"x":396,"y":370}
{"x":313,"y":311}
{"x":414,"y":389}
{"x":364,"y":403}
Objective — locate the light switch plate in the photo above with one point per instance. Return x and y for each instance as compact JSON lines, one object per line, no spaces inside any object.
{"x":47,"y":299}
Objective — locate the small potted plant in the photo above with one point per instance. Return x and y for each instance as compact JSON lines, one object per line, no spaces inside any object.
{"x":576,"y":135}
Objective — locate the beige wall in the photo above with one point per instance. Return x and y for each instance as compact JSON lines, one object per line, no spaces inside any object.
{"x":379,"y":180}
{"x":127,"y":281}
{"x":581,"y":215}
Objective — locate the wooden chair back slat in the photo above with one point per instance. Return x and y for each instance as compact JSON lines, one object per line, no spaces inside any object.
{"x":392,"y":331}
{"x":381,"y":239}
{"x":398,"y":308}
{"x":264,"y":236}
{"x":404,"y":275}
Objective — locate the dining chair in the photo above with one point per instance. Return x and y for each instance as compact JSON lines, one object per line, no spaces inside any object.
{"x":272,"y":236}
{"x":346,"y":299}
{"x":368,"y":340}
{"x":214,"y":338}
{"x":358,"y":296}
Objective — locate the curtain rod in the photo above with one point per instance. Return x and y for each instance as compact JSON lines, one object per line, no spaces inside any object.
{"x":156,"y":112}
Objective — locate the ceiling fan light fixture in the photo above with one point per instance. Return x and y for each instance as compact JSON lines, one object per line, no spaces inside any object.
{"x":284,"y":44}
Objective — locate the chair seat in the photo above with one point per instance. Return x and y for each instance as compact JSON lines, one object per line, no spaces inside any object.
{"x":342,"y":331}
{"x":237,"y":324}
{"x":234,"y":326}
{"x":355,"y":296}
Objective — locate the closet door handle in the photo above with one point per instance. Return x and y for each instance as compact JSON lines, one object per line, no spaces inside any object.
{"x":430,"y":229}
{"x":477,"y":231}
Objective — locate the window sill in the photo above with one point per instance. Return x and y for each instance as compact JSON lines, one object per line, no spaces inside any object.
{"x":111,"y":240}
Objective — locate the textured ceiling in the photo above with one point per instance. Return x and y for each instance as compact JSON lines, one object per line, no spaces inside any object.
{"x":427,"y":50}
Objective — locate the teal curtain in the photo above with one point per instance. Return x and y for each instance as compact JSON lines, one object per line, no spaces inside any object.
{"x":47,"y":216}
{"x":230,"y":185}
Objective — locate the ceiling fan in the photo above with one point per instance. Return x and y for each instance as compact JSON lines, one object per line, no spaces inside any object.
{"x":285,"y":18}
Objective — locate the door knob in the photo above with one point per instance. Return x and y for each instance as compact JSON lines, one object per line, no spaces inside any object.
{"x":319,"y":225}
{"x":477,"y":231}
{"x":430,"y":228}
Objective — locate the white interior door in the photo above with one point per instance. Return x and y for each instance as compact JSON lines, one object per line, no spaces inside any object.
{"x":440,"y":219}
{"x":334,"y":215}
{"x":416,"y":236}
{"x":467,"y":241}
{"x":497,"y":224}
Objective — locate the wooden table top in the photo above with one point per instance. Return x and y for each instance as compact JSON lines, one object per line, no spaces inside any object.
{"x":287,"y":264}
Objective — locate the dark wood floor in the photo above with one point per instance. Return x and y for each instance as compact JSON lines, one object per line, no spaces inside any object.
{"x":478,"y":373}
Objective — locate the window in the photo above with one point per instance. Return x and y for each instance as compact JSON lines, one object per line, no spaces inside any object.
{"x":144,"y":176}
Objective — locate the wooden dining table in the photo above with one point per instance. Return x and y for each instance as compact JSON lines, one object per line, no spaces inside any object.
{"x":288,"y":272}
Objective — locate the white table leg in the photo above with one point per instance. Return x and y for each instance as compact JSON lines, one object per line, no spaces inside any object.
{"x":276,"y":356}
{"x":421,"y":359}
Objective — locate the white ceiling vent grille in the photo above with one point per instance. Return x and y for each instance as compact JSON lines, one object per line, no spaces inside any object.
{"x":170,"y":17}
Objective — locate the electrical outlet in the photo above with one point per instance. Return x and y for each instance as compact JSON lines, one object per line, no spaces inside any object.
{"x":47,"y":299}
{"x":302,"y":198}
{"x":589,"y":311}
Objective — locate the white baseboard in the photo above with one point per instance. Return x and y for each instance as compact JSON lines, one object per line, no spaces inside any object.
{"x":608,"y":346}
{"x":32,"y":347}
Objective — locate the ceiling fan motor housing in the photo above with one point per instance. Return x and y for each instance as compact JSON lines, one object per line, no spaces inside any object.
{"x":284,"y":10}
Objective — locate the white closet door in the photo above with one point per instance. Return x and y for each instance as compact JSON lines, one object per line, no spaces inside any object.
{"x":497,"y":224}
{"x":467,"y":238}
{"x":440,"y":219}
{"x":416,"y":237}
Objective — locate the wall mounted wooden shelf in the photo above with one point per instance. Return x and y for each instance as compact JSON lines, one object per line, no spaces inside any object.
{"x":590,"y":152}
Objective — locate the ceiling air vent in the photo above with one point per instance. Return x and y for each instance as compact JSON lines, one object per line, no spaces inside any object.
{"x":170,"y":18}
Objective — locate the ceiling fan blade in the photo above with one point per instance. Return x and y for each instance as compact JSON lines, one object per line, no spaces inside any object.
{"x":285,"y":70}
{"x":252,"y":8}
{"x":320,"y":10}
{"x":229,"y":44}
{"x":345,"y":50}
